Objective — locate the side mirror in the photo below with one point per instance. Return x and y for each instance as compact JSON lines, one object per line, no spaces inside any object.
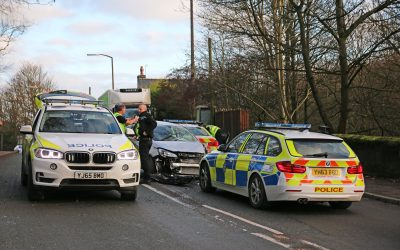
{"x":222,"y":148}
{"x":27,"y":129}
{"x":130,"y":132}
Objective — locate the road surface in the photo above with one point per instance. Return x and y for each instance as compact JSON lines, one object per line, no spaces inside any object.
{"x":171,"y":217}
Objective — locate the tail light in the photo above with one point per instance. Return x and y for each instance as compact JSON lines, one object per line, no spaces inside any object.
{"x":288,"y":167}
{"x":213,"y":143}
{"x":355,"y":170}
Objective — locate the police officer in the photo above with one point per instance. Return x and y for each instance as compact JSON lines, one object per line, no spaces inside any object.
{"x":145,"y":124}
{"x":221,"y":136}
{"x":120,"y":111}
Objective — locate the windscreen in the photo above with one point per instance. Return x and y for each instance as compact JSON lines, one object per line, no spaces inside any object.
{"x":197,"y":131}
{"x":318,"y":148}
{"x":131,"y":112}
{"x":72,"y":121}
{"x":172,"y":133}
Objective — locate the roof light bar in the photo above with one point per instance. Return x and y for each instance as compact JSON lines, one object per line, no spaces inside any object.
{"x":281,"y":125}
{"x":66,"y":101}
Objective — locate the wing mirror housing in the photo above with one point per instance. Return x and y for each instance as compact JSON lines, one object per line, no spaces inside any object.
{"x":26,"y":130}
{"x":222,"y":148}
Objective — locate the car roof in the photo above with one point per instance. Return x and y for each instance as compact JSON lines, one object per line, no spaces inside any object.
{"x":298,"y":134}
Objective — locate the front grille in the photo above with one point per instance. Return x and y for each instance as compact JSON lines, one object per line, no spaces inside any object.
{"x":192,"y":158}
{"x":103,"y":158}
{"x":77,"y":157}
{"x":90,"y":168}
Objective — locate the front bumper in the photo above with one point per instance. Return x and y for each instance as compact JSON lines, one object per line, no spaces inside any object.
{"x":63,"y":177}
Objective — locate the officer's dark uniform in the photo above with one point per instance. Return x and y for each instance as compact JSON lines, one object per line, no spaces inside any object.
{"x":144,"y":130}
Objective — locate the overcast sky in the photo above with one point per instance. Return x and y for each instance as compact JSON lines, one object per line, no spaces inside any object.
{"x":147,"y":32}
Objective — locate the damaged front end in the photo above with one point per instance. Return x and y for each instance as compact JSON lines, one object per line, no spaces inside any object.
{"x":176,"y":168}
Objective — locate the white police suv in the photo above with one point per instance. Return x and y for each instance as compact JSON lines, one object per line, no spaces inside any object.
{"x":76,"y":144}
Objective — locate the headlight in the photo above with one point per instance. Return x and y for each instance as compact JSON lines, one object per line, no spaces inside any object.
{"x":48,"y":154}
{"x":128,"y":155}
{"x":166,"y":154}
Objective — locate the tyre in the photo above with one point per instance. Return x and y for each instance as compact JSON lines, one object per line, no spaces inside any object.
{"x":205,"y":180}
{"x":257,"y":196}
{"x":33,"y":193}
{"x":24,"y":177}
{"x":340,"y":204}
{"x":129,"y":195}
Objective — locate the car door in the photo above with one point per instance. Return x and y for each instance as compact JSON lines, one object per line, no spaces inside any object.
{"x":251,"y":158}
{"x":272,"y":152}
{"x":226,"y":161}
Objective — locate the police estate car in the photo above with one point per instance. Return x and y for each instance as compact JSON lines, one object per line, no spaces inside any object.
{"x":76,"y":144}
{"x":285,"y":162}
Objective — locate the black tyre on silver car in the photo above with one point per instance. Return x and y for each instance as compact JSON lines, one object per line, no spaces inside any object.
{"x":205,"y":179}
{"x":257,"y":196}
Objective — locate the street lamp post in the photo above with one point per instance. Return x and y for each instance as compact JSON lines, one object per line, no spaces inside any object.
{"x":112,"y":65}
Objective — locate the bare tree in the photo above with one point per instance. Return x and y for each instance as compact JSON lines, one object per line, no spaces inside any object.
{"x":17,"y":106}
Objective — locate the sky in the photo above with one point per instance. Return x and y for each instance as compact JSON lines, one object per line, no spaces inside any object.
{"x":151,"y":33}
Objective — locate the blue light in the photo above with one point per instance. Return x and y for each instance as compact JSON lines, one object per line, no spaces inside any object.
{"x":282,"y":125}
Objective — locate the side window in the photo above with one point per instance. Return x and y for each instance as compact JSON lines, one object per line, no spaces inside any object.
{"x":274,"y":147}
{"x":35,"y":122}
{"x":254,"y":143}
{"x":261,"y":147}
{"x":236,"y":143}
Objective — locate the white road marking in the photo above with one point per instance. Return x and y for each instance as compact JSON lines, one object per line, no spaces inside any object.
{"x":263,"y":236}
{"x":270,"y":239}
{"x":314,"y":245}
{"x":167,"y":196}
{"x":244,"y":220}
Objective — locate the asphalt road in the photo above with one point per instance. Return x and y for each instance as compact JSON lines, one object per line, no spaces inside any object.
{"x":171,"y":217}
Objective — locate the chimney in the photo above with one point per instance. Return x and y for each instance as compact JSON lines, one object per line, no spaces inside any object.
{"x":142,"y":75}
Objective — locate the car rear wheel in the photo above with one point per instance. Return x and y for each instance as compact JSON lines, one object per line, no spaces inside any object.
{"x":257,"y":196}
{"x":205,"y":179}
{"x":340,"y":204}
{"x":33,"y":193}
{"x":129,"y":195}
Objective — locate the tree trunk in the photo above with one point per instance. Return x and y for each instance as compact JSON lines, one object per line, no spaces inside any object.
{"x":344,"y":67}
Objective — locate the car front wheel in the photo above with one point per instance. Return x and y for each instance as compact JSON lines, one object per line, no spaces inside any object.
{"x":205,"y":180}
{"x":33,"y":193}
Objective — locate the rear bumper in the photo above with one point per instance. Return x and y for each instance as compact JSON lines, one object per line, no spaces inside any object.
{"x":329,"y":193}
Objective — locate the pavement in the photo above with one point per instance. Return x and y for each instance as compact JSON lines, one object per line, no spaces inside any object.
{"x":383,"y":189}
{"x":183,"y":217}
{"x":6,"y":153}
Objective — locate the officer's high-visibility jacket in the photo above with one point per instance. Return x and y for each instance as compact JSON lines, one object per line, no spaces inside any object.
{"x":122,"y":125}
{"x":213,"y":129}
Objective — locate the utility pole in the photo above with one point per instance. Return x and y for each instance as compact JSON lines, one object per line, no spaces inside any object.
{"x":90,"y":90}
{"x":210,"y":79}
{"x":192,"y":67}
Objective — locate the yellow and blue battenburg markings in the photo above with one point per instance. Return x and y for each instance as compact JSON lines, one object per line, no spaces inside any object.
{"x":234,"y":169}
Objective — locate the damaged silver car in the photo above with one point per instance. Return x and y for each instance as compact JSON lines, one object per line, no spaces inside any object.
{"x":176,"y":154}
